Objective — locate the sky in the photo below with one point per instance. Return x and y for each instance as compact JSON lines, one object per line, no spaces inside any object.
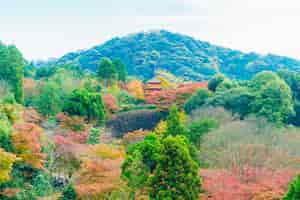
{"x":44,"y":29}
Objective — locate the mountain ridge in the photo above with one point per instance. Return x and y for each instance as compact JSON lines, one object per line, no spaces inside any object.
{"x":146,"y":52}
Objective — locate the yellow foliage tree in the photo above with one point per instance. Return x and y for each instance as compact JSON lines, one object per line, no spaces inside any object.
{"x":6,"y":163}
{"x":161,"y":127}
{"x":165,"y":84}
{"x":135,"y":88}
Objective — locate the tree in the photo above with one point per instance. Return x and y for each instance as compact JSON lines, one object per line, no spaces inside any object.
{"x":238,"y":100}
{"x":94,"y":135}
{"x":174,"y":124}
{"x":69,"y":193}
{"x":83,"y":103}
{"x":215,"y":81}
{"x":49,"y":101}
{"x":26,"y":140}
{"x":197,"y":100}
{"x":273,"y":100}
{"x":121,"y":69}
{"x":107,"y":71}
{"x":294,"y":190}
{"x":135,"y":88}
{"x":176,"y":174}
{"x":42,"y":184}
{"x":140,"y":162}
{"x":11,"y":65}
{"x":6,"y":164}
{"x":5,"y":134}
{"x":196,"y":130}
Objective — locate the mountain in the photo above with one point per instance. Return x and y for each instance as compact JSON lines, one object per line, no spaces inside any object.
{"x":185,"y":57}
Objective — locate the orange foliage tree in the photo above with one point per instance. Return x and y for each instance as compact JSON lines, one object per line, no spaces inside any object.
{"x":135,"y":88}
{"x":26,"y":141}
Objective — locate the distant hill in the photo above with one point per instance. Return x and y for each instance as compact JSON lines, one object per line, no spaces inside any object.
{"x":185,"y":57}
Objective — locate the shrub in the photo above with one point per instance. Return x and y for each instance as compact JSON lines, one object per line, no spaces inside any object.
{"x":69,"y":193}
{"x":105,"y":151}
{"x":94,"y":136}
{"x":6,"y":164}
{"x":134,"y":137}
{"x":42,"y":185}
{"x":294,"y":190}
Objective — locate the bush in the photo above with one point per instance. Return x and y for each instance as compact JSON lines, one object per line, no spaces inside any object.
{"x":42,"y":185}
{"x":294,"y":190}
{"x":94,"y":136}
{"x":69,"y":193}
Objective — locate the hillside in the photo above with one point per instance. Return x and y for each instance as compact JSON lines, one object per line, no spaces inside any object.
{"x":184,"y":56}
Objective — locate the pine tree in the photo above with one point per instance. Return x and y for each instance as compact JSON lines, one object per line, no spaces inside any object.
{"x":176,"y":174}
{"x":174,"y":125}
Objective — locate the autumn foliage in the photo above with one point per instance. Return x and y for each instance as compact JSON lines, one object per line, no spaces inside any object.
{"x":26,"y":141}
{"x":135,"y":88}
{"x":135,"y":136}
{"x":223,"y":185}
{"x":6,"y":163}
{"x":110,"y":103}
{"x":165,"y":98}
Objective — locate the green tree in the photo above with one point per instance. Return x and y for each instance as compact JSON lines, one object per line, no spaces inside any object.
{"x":87,"y":104}
{"x":237,"y":100}
{"x":199,"y":128}
{"x":176,"y":175}
{"x":121,"y":69}
{"x":49,"y":101}
{"x":94,"y":136}
{"x":215,"y":81}
{"x":141,"y":160}
{"x":42,"y":185}
{"x":11,"y":65}
{"x":197,"y":100}
{"x":273,"y":98}
{"x":294,"y":190}
{"x":69,"y":193}
{"x":107,"y":71}
{"x":174,"y":124}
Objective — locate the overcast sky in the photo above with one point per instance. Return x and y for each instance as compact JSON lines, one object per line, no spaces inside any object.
{"x":51,"y":28}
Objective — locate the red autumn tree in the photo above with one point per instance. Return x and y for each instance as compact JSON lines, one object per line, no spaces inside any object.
{"x":111,"y":103}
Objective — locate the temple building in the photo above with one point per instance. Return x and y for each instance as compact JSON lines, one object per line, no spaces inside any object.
{"x":152,"y":85}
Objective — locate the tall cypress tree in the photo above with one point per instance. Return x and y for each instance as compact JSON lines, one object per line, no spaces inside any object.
{"x":174,"y":124}
{"x":176,"y":175}
{"x":11,"y":69}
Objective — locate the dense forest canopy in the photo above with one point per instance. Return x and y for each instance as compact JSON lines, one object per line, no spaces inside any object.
{"x":146,"y":52}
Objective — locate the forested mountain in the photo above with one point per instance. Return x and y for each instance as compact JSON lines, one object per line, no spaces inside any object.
{"x":183,"y":56}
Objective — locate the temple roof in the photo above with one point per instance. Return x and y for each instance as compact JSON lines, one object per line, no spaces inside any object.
{"x":154,"y":80}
